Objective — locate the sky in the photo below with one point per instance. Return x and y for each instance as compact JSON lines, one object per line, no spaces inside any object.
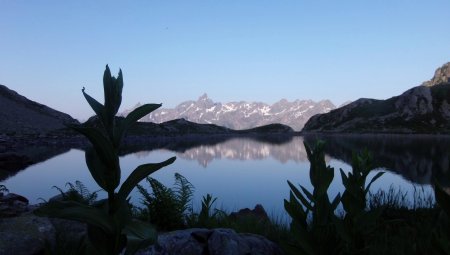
{"x":252,"y":50}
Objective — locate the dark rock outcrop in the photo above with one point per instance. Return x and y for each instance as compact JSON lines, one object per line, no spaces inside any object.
{"x":180,"y":127}
{"x":23,"y":116}
{"x":12,"y":205}
{"x":258,"y":213}
{"x":422,"y":109}
{"x":25,"y":235}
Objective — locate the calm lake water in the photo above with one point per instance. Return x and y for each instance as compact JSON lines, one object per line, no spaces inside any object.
{"x":243,"y":172}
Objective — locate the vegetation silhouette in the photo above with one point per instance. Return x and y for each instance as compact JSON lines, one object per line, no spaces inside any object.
{"x":111,"y":228}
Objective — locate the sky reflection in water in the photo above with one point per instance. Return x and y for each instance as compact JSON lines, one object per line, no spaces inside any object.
{"x":240,"y":172}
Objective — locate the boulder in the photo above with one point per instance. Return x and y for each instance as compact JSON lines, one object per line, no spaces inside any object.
{"x":211,"y":242}
{"x":25,"y":235}
{"x":12,"y":205}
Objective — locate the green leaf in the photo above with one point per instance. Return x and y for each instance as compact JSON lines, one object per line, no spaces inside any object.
{"x":139,"y":174}
{"x":118,"y":86}
{"x":307,"y":193}
{"x":101,"y":144}
{"x":336,"y":201}
{"x":344,"y":178}
{"x":295,"y":210}
{"x":113,"y":93}
{"x":378,"y":175}
{"x":108,"y":84}
{"x":71,"y":210}
{"x":97,"y":169}
{"x":132,"y":118}
{"x":104,"y":163}
{"x":139,"y":235}
{"x":300,"y":196}
{"x":98,"y":108}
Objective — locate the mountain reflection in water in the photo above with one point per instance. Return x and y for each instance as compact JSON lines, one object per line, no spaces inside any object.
{"x":418,"y":159}
{"x":243,"y":149}
{"x":256,"y":168}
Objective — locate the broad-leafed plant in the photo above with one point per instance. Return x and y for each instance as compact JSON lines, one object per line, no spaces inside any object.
{"x":358,"y":222}
{"x":441,"y":235}
{"x":111,"y":228}
{"x":310,"y":236}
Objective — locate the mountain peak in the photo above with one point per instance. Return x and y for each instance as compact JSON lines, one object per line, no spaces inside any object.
{"x":441,"y":75}
{"x":242,"y":114}
{"x":203,"y":97}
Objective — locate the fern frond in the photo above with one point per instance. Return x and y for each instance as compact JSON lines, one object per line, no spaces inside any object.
{"x":184,"y":191}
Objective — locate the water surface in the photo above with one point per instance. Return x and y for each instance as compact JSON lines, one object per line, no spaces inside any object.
{"x":243,"y":172}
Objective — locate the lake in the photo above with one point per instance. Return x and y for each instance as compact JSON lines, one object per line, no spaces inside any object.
{"x":243,"y":172}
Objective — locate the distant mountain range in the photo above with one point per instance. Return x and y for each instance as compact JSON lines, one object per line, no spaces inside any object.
{"x":241,"y":115}
{"x":422,"y":109}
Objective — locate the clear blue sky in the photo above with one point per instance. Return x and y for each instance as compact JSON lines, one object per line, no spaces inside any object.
{"x":255,"y":50}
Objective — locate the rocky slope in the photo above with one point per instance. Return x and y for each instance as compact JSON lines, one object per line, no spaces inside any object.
{"x":241,"y":115}
{"x":180,"y":127}
{"x":20,"y":115}
{"x":422,"y":109}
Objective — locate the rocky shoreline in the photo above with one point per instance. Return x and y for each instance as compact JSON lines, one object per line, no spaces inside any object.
{"x":24,"y":233}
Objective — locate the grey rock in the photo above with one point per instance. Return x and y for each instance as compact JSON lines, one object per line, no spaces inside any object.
{"x":415,"y":101}
{"x":25,"y":235}
{"x":212,"y":242}
{"x":422,"y":109}
{"x":441,"y":75}
{"x":12,"y":205}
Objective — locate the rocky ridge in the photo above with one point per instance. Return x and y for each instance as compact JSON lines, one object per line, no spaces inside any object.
{"x":241,"y":115}
{"x":422,"y":109}
{"x":24,"y":116}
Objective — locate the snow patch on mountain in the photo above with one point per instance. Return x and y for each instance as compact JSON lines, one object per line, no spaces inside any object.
{"x":241,"y":115}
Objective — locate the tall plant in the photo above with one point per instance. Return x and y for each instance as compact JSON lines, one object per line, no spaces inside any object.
{"x":358,"y":222}
{"x":301,"y":204}
{"x":111,"y":228}
{"x":441,"y":234}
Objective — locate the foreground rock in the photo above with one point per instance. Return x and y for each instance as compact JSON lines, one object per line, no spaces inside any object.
{"x":26,"y":235}
{"x":422,"y":109}
{"x":212,"y":242}
{"x":12,"y":205}
{"x":23,"y":233}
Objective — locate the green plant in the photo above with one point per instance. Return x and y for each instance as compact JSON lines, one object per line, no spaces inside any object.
{"x":111,"y":228}
{"x":441,"y":235}
{"x":358,"y":222}
{"x":165,"y":207}
{"x":208,"y":216}
{"x":206,"y":212}
{"x":311,"y":237}
{"x":78,"y":192}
